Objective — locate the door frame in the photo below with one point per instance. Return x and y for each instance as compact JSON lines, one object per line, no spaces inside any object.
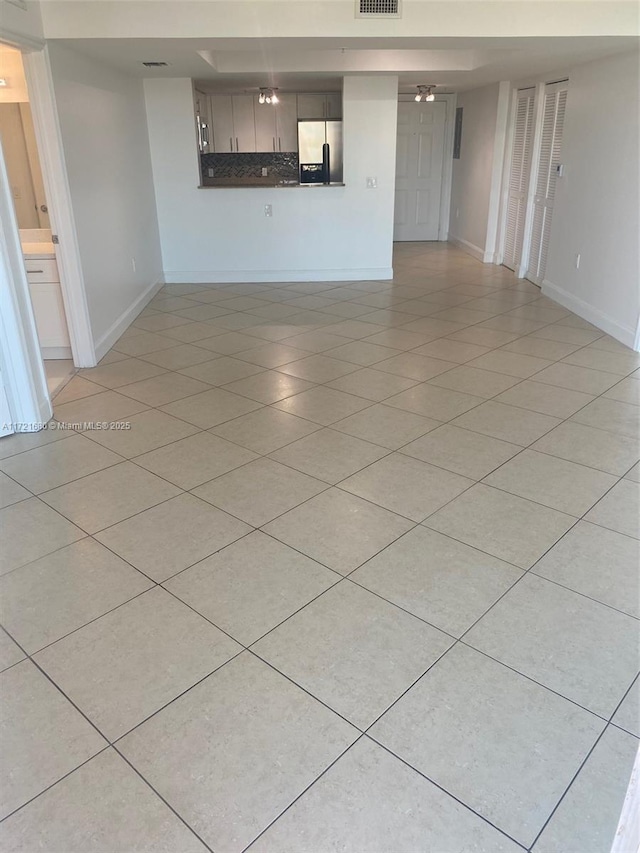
{"x":44,"y":111}
{"x":506,"y":175}
{"x":21,"y":365}
{"x":447,"y":160}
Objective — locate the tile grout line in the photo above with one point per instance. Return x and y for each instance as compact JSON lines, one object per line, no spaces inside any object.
{"x":390,"y":452}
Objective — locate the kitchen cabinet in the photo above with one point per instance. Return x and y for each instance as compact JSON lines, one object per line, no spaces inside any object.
{"x":234,"y":128}
{"x":222,"y":121}
{"x":333,"y":105}
{"x":320,"y":106}
{"x":276,"y":125}
{"x":244,"y":123}
{"x":287,"y":123}
{"x":266,"y":130}
{"x":203,"y":122}
{"x":229,"y":124}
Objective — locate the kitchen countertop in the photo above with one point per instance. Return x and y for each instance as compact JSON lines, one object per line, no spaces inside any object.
{"x":253,"y":183}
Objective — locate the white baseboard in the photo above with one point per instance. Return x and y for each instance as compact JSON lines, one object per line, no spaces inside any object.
{"x":259,"y":276}
{"x":55,"y":352}
{"x":627,"y":335}
{"x":471,"y":249}
{"x":104,"y":344}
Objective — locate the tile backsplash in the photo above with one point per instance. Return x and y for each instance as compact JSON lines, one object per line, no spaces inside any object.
{"x":283,"y":165}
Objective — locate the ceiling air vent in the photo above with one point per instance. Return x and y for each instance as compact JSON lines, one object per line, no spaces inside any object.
{"x":155,"y":64}
{"x":378,"y":8}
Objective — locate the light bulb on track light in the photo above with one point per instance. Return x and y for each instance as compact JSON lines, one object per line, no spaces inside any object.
{"x":425,"y":93}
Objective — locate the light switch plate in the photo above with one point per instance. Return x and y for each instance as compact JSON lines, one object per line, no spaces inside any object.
{"x":372,"y":183}
{"x":268,"y":210}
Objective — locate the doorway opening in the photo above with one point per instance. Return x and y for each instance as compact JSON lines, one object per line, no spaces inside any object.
{"x":31,"y":206}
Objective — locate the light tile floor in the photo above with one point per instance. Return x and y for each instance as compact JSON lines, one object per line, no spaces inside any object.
{"x":58,"y":372}
{"x":360,"y":575}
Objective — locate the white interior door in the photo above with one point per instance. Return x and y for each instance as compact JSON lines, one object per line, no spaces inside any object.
{"x":519,"y":177}
{"x":419,"y":160}
{"x":555,"y":101}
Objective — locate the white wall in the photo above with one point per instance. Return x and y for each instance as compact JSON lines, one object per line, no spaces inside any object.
{"x":104,"y":135}
{"x":318,"y":233}
{"x":596,"y":212}
{"x":19,"y":24}
{"x":316,"y":18}
{"x":473,"y":174}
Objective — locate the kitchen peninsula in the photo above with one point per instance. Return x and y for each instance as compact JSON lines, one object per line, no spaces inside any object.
{"x":287,"y":140}
{"x":246,"y":232}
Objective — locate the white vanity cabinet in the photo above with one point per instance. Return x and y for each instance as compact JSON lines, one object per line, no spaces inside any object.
{"x":46,"y":293}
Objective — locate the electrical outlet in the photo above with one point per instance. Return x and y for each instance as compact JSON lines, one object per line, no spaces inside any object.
{"x":372,"y":183}
{"x":268,"y":210}
{"x":265,"y":172}
{"x":133,"y":264}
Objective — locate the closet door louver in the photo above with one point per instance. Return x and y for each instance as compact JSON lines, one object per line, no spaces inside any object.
{"x":519,"y":177}
{"x":550,"y":147}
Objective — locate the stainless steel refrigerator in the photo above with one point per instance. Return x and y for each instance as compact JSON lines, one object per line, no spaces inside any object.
{"x":320,"y":152}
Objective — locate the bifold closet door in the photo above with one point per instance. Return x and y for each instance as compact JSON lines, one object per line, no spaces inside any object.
{"x":519,"y":177}
{"x":555,"y":102}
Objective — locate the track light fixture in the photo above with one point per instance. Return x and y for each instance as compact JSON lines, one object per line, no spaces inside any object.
{"x":425,"y":93}
{"x":268,"y":95}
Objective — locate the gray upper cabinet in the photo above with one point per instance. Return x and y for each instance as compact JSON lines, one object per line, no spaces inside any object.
{"x":230,"y":124}
{"x":276,"y":125}
{"x":311,"y":106}
{"x":334,"y":105}
{"x":287,"y":123}
{"x":244,"y":123}
{"x":222,"y":119}
{"x":266,"y":131}
{"x":320,"y":106}
{"x":233,"y":121}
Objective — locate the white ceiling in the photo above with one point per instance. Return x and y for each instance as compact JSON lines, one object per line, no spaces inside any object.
{"x":452,"y":64}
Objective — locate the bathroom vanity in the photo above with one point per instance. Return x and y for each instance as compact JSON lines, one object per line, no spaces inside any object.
{"x":46,"y":292}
